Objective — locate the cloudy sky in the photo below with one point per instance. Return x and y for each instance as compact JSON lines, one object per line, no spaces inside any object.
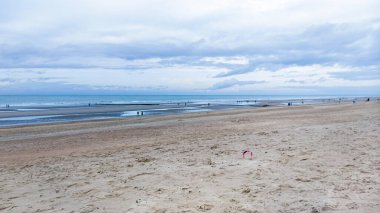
{"x":190,"y":47}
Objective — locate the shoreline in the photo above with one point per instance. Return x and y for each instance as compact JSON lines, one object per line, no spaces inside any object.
{"x":62,"y":129}
{"x":19,"y":116}
{"x":146,"y":120}
{"x":222,"y":110}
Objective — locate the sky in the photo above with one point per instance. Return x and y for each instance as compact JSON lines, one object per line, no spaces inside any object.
{"x":256,"y":47}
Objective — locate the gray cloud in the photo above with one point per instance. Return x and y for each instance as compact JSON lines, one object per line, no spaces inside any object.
{"x":232,"y":82}
{"x":324,"y":44}
{"x":295,"y":81}
{"x":317,"y":44}
{"x":365,"y":74}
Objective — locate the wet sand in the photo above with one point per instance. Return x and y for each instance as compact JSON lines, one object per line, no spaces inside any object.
{"x":319,"y":158}
{"x":69,"y":110}
{"x":17,"y":116}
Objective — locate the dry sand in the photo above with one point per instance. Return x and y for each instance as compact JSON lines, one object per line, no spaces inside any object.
{"x":306,"y":159}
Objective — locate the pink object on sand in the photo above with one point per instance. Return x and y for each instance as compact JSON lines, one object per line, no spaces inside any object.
{"x":246,"y":151}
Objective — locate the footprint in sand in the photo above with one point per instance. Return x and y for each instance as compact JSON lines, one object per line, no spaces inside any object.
{"x":246,"y":191}
{"x":144,"y":173}
{"x":144,"y":160}
{"x":352,"y":205}
{"x":303,"y":180}
{"x":205,"y":207}
{"x":262,"y":133}
{"x":214,"y":147}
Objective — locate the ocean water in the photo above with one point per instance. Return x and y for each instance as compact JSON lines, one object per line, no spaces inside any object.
{"x":43,"y":109}
{"x":77,"y":100}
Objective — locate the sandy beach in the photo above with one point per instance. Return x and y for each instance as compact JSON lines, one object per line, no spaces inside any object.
{"x":315,"y":158}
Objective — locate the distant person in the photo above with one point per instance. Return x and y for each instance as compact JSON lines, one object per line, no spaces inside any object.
{"x":353,"y":101}
{"x":367,"y":99}
{"x":89,"y":104}
{"x":142,"y":113}
{"x":288,"y":103}
{"x":138,"y":113}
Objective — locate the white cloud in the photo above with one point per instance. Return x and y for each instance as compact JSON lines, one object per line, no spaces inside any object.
{"x":302,"y":76}
{"x":173,"y":78}
{"x":237,"y":60}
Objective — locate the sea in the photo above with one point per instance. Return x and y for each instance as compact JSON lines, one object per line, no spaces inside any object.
{"x":76,"y":100}
{"x":43,"y":109}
